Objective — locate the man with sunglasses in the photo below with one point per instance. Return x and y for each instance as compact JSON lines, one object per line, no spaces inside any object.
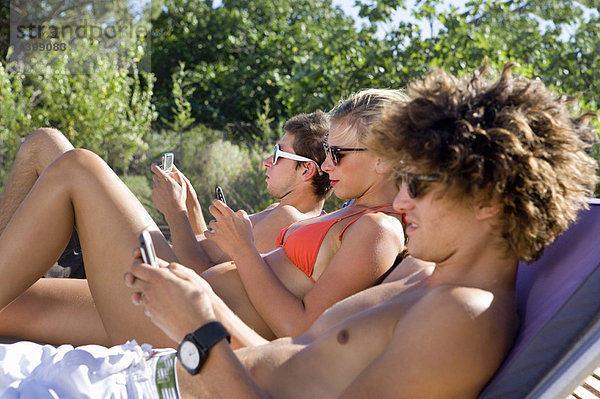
{"x":293,"y":176}
{"x":490,"y":172}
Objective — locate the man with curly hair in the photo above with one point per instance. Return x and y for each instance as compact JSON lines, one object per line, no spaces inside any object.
{"x":490,"y":172}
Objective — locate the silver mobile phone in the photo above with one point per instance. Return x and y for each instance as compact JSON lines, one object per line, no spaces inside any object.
{"x":219,"y":194}
{"x":147,"y":248}
{"x":167,"y":162}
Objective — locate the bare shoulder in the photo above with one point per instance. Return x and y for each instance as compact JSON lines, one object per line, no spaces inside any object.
{"x":447,"y":342}
{"x":379,"y":226}
{"x":282,"y":214}
{"x":471,"y":328}
{"x":268,"y":224}
{"x":461,"y":303}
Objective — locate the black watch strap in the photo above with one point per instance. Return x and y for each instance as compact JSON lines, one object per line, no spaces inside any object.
{"x":203,"y":339}
{"x":210,"y":334}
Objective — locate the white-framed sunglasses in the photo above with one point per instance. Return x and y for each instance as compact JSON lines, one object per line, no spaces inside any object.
{"x":278,"y":153}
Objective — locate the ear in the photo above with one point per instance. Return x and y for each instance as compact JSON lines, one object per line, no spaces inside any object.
{"x":381,"y":166}
{"x":309,"y":171}
{"x":487,"y":210}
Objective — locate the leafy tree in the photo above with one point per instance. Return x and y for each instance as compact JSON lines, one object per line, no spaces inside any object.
{"x":297,"y":54}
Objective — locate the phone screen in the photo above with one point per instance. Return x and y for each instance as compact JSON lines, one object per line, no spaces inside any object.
{"x":167,"y":162}
{"x":219,"y":194}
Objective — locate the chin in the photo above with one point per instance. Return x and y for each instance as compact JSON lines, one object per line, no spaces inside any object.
{"x":269,"y":189}
{"x":417,"y":252}
{"x":341,"y":195}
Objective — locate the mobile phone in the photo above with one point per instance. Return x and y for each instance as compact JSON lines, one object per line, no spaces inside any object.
{"x":167,"y":162}
{"x":219,"y":194}
{"x":147,"y":248}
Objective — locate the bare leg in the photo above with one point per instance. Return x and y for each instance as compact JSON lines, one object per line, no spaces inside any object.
{"x":45,"y":313}
{"x":226,"y":283}
{"x":38,"y":151}
{"x":79,"y":188}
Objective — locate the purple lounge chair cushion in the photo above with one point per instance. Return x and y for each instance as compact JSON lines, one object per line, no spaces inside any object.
{"x":558,"y":296}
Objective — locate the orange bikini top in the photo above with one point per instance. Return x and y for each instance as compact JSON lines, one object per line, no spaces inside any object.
{"x":302,"y":244}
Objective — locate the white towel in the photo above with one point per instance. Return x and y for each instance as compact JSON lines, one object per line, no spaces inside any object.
{"x":30,"y":370}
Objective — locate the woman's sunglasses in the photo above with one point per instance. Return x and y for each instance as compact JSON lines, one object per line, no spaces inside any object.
{"x":416,"y":184}
{"x":335,"y":152}
{"x":278,"y":153}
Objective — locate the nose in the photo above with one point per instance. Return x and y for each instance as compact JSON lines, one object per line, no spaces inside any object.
{"x":268,"y":162}
{"x":402,"y":201}
{"x":327,"y":164}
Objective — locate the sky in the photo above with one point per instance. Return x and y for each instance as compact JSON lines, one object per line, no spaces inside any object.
{"x":402,"y":15}
{"x":348,"y":7}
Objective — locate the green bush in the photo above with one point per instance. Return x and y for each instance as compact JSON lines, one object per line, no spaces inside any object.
{"x":141,"y":187}
{"x":15,"y":115}
{"x":95,"y":103}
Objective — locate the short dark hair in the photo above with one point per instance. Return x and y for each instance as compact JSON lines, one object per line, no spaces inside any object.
{"x":511,"y":141}
{"x":309,"y":131}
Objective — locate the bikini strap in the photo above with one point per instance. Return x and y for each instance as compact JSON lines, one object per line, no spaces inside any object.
{"x":362,"y":210}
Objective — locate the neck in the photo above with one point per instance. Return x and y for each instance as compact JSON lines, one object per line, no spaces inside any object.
{"x":486,"y":267}
{"x":381,"y":193}
{"x":305,"y":201}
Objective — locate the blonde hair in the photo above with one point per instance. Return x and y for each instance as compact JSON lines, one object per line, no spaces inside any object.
{"x":362,"y":110}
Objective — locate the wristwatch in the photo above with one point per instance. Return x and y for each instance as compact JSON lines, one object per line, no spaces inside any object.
{"x":193,"y":350}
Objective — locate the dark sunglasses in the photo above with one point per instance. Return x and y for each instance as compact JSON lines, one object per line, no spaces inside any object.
{"x":335,"y":152}
{"x":415,"y":183}
{"x":278,"y":153}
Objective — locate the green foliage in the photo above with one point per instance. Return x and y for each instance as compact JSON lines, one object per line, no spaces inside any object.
{"x":141,"y":187}
{"x":106,"y":110}
{"x":297,"y":54}
{"x":225,"y":79}
{"x":15,"y":114}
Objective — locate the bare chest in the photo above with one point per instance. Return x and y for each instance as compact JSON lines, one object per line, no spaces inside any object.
{"x":324,"y":362}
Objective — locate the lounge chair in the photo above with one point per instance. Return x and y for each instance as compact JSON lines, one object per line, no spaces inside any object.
{"x":558,"y":302}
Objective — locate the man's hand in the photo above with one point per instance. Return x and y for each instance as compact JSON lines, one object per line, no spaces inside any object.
{"x":170,"y":191}
{"x":231,"y":231}
{"x":175,"y":298}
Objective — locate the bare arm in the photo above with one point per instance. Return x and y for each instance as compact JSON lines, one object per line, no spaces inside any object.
{"x":176,"y":297}
{"x":179,"y":301}
{"x":193,"y":206}
{"x":170,"y":197}
{"x":368,"y":248}
{"x":222,"y":376}
{"x":266,"y":226}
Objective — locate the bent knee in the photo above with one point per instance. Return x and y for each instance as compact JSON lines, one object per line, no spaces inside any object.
{"x":42,"y":146}
{"x":76,"y":164}
{"x":47,"y":137}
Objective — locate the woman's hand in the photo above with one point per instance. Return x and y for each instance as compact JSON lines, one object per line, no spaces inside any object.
{"x":170,"y":191}
{"x":174,"y":297}
{"x":191,"y":199}
{"x":231,"y":231}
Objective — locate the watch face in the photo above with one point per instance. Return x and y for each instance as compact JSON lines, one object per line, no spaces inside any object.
{"x":189,"y":355}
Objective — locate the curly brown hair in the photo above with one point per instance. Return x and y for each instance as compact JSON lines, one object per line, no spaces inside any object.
{"x":512,"y":141}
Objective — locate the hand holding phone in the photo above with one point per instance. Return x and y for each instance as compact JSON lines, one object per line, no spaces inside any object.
{"x":219,"y":194}
{"x":167,"y":162}
{"x":147,"y":249}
